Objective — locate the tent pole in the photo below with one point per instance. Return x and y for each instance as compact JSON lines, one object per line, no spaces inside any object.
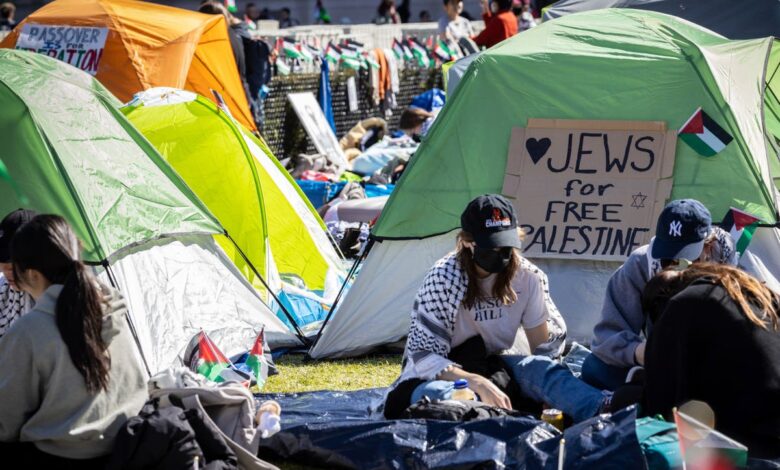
{"x":298,"y":332}
{"x":115,"y":285}
{"x":360,"y":259}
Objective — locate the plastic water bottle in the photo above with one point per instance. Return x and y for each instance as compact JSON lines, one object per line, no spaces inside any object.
{"x":462,"y":391}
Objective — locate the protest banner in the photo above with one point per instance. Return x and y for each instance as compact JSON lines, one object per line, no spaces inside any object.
{"x":81,"y":47}
{"x":588,"y":189}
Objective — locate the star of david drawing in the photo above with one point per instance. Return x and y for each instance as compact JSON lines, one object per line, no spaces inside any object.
{"x":639,"y":200}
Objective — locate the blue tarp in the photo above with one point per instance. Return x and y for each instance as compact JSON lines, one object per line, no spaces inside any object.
{"x":321,"y":192}
{"x":337,"y":430}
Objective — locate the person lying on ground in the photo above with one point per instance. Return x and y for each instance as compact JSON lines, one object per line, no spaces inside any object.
{"x":487,"y":290}
{"x":716,"y":338}
{"x":69,"y":374}
{"x":684,"y":232}
{"x":500,"y":23}
{"x":13,"y":301}
{"x":394,"y":150}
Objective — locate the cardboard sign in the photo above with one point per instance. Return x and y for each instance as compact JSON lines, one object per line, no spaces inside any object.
{"x":81,"y":47}
{"x":589,"y":189}
{"x":317,"y":128}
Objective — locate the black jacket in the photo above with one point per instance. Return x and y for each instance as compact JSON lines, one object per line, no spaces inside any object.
{"x":704,"y":348}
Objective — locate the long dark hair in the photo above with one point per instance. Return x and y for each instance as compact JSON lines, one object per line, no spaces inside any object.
{"x":746,"y":291}
{"x":48,"y":245}
{"x":502,"y":288}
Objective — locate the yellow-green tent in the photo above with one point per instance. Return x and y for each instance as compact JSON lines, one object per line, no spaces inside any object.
{"x":250,"y":193}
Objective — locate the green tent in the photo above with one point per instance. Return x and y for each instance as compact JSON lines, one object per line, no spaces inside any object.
{"x":68,"y":150}
{"x":615,"y":64}
{"x":63,"y":136}
{"x":251,"y":194}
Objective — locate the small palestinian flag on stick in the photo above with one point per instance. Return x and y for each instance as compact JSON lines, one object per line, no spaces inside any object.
{"x":703,"y":448}
{"x":333,"y":53}
{"x":420,"y":52}
{"x":704,"y":135}
{"x":205,"y":358}
{"x":398,"y":50}
{"x":257,"y":362}
{"x":290,"y":48}
{"x":741,"y":226}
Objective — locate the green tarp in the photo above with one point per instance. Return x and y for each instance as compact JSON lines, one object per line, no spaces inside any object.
{"x":605,"y":65}
{"x":71,"y":152}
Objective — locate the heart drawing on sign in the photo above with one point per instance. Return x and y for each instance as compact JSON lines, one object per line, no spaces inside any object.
{"x":537,"y":148}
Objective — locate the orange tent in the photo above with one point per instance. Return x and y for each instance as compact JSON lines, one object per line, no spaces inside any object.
{"x":130,"y":46}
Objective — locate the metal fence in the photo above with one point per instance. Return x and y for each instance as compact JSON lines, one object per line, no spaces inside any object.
{"x":284,"y":133}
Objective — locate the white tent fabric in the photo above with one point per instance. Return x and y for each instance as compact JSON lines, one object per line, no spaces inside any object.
{"x":377,"y":309}
{"x":176,"y":287}
{"x":457,"y":71}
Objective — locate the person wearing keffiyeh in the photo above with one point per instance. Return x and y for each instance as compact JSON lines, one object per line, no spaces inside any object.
{"x":486,"y":293}
{"x":13,"y":302}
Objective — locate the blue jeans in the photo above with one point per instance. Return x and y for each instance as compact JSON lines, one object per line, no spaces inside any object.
{"x":602,"y":375}
{"x":540,"y":379}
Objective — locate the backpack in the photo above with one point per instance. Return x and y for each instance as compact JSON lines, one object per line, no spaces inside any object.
{"x":659,"y":442}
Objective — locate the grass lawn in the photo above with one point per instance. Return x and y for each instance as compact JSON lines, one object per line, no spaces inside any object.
{"x":297,"y":375}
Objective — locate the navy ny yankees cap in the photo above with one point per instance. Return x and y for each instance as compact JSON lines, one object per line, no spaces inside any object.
{"x":682,"y":227}
{"x":491,"y":220}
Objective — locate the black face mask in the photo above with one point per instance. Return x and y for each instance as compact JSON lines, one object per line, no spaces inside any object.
{"x":491,"y":260}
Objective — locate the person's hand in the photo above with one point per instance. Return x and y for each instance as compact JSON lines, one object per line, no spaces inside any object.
{"x":639,"y":353}
{"x":489,"y":393}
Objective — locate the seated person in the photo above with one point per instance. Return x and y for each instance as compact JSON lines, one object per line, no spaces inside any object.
{"x":716,"y":338}
{"x":69,"y":374}
{"x":684,"y":231}
{"x":487,"y":290}
{"x":13,"y":302}
{"x":500,"y":23}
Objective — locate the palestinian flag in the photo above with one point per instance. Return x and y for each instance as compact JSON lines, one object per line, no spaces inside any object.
{"x":408,"y":55}
{"x":703,"y":448}
{"x":420,"y":52}
{"x":398,"y":50}
{"x":290,"y":48}
{"x":231,"y":6}
{"x":257,"y":362}
{"x":704,"y":135}
{"x":741,"y":226}
{"x":349,"y":51}
{"x":333,"y":53}
{"x":371,"y":60}
{"x":358,"y":46}
{"x":443,"y":51}
{"x":205,"y":358}
{"x":351,"y":62}
{"x":305,"y":53}
{"x":281,"y":67}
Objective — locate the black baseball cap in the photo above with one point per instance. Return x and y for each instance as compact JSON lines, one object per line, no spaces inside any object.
{"x":491,"y":220}
{"x":8,"y":227}
{"x":682,"y":227}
